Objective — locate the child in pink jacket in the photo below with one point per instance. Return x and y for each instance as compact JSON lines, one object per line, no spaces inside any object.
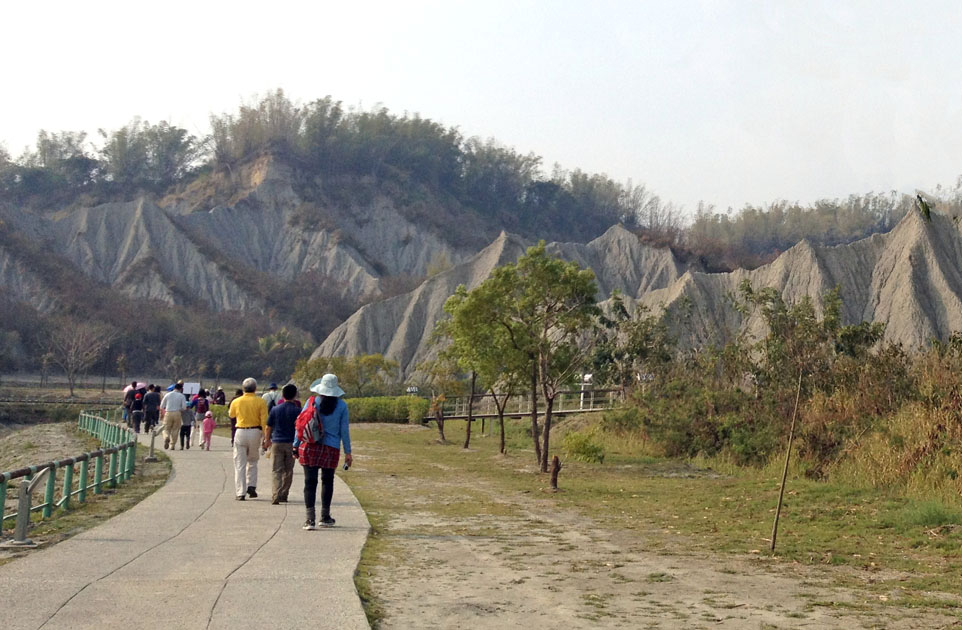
{"x":208,"y":426}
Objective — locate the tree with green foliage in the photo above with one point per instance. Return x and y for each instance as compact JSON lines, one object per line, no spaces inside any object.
{"x":801,"y":342}
{"x":479,"y":344}
{"x":141,"y":156}
{"x":544,"y":312}
{"x":630,"y":347}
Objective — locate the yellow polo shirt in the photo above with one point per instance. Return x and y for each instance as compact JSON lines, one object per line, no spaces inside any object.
{"x":250,"y":411}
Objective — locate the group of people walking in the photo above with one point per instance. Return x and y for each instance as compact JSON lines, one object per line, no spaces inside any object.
{"x":259,"y":424}
{"x":187,"y":420}
{"x":259,"y":429}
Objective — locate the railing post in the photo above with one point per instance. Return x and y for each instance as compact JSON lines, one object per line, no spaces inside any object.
{"x":48,"y":495}
{"x":112,"y":471}
{"x":20,"y":539}
{"x":99,"y":473}
{"x":67,"y":485}
{"x":82,"y":494}
{"x":3,"y":497}
{"x":122,"y":464}
{"x":23,"y":519}
{"x":150,"y":455}
{"x":131,"y":458}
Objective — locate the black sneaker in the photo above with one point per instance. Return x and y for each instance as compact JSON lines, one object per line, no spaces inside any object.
{"x":241,"y":497}
{"x":309,"y":525}
{"x":327,"y":521}
{"x":251,"y":492}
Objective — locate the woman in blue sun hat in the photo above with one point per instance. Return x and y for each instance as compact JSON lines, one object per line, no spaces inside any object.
{"x":325,"y":455}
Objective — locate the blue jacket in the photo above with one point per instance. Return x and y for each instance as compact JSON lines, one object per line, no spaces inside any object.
{"x":336,"y":429}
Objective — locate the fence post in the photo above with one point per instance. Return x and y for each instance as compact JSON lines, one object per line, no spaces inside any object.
{"x":99,"y":473}
{"x":67,"y":485}
{"x":3,"y":497}
{"x":132,"y":459}
{"x":82,"y":494}
{"x":112,"y":471}
{"x":122,"y":464}
{"x":20,"y":539}
{"x":153,"y":436}
{"x":48,"y":495}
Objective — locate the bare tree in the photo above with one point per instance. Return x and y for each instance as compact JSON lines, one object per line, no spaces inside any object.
{"x":77,"y":346}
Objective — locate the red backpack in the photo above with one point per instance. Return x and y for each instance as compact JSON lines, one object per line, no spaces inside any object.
{"x":308,"y":427}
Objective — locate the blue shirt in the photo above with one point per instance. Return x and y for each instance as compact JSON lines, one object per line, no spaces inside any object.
{"x":282,"y":419}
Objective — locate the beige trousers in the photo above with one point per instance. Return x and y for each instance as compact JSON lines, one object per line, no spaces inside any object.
{"x":172,"y":422}
{"x":247,"y":450}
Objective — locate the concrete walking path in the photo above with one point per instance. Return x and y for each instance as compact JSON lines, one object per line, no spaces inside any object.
{"x":192,"y":556}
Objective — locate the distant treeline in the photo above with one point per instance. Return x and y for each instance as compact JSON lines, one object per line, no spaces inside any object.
{"x":326,"y":142}
{"x":335,"y":150}
{"x":756,"y":235}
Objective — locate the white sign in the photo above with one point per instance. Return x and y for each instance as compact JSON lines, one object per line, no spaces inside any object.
{"x":191,"y":388}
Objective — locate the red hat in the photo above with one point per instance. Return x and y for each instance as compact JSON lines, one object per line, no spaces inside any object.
{"x":137,"y":396}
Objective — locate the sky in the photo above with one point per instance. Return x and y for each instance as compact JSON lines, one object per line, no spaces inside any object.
{"x":726,"y":102}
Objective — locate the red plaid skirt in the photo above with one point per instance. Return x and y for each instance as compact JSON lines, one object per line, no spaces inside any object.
{"x":320,"y":455}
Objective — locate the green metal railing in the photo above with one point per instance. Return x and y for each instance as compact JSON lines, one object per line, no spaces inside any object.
{"x":118,"y":454}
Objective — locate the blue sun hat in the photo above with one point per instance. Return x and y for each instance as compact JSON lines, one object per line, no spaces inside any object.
{"x":327,"y":386}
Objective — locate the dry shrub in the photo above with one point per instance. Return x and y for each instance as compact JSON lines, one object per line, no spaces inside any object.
{"x":915,"y":449}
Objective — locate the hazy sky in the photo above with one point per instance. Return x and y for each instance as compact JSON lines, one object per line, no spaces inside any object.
{"x":730,"y":102}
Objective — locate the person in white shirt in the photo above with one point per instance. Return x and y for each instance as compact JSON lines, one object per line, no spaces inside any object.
{"x":272,"y":397}
{"x":172,"y":408}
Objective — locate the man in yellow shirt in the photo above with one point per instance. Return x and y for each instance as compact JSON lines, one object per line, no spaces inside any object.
{"x":251,"y":413}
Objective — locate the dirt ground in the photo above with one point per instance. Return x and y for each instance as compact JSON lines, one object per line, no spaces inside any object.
{"x":537,"y":566}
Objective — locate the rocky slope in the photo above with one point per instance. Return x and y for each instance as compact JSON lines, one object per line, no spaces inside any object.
{"x":910,"y":279}
{"x":401,"y":327}
{"x":224,"y":256}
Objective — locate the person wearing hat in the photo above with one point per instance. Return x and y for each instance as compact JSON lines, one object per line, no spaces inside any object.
{"x":251,"y":413}
{"x":220,"y":398}
{"x":323,"y":457}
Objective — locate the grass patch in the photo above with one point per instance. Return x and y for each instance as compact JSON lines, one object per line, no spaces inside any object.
{"x":409,"y":483}
{"x":926,"y":514}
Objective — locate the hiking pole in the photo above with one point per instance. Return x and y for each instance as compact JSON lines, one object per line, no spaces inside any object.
{"x":788,"y":454}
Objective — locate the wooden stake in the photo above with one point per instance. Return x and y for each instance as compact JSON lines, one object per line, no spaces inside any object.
{"x":788,"y":454}
{"x":555,"y":469}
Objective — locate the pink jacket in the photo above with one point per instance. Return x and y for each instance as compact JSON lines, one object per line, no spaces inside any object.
{"x":209,"y":424}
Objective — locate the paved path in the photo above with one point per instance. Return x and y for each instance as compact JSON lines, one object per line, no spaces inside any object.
{"x":191,"y":556}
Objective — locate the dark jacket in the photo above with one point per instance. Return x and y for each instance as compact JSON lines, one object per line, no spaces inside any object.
{"x":282,"y":419}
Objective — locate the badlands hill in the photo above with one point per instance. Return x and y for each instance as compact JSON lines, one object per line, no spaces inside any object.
{"x":910,"y":279}
{"x":224,"y":256}
{"x":401,"y":327}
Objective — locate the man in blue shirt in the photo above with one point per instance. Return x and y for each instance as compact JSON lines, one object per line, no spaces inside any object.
{"x":281,"y":422}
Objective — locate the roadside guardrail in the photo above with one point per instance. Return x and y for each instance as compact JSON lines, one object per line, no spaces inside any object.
{"x":118,"y":453}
